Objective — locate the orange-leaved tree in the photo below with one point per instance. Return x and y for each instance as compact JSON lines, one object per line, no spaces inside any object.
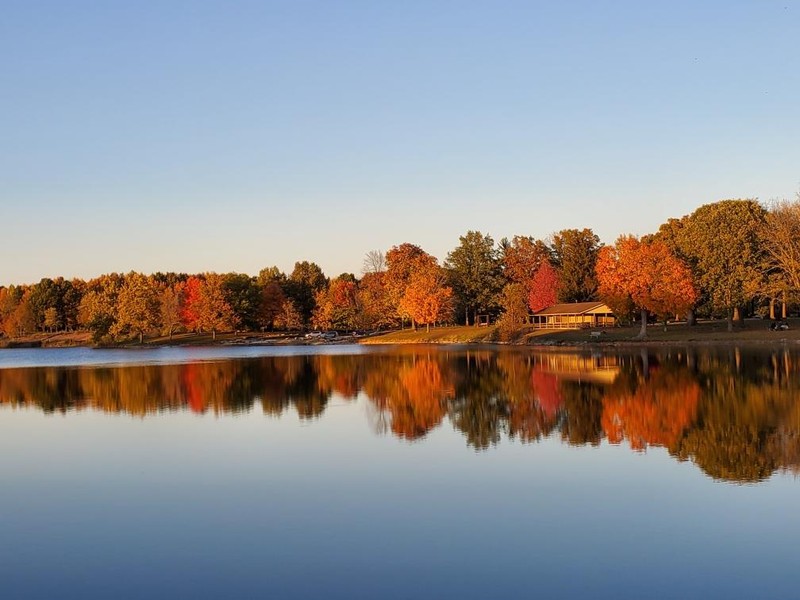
{"x":647,"y":275}
{"x":427,"y":299}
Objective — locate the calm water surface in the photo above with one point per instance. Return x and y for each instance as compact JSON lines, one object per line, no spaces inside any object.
{"x":353,"y":472}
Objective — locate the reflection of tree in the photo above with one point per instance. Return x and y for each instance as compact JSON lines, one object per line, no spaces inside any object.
{"x":413,"y":390}
{"x":733,"y":413}
{"x":655,"y":412}
{"x":480,"y":406}
{"x":747,"y":424}
{"x":583,"y":409}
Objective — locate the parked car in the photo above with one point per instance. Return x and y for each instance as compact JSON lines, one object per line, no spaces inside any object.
{"x":330,"y":335}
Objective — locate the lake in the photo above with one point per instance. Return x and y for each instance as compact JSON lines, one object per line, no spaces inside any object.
{"x":403,"y":472}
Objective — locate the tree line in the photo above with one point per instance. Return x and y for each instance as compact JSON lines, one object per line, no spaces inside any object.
{"x":726,"y":259}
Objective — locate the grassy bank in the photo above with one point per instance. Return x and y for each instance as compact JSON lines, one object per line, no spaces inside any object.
{"x":754,"y":331}
{"x":437,"y":335}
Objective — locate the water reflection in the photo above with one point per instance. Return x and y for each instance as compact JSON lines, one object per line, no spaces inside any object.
{"x":733,"y":413}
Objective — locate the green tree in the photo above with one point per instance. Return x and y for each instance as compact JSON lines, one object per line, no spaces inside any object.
{"x":243,"y":295}
{"x":305,"y":281}
{"x":269,"y":275}
{"x":574,"y":256}
{"x":475,"y":274}
{"x":724,"y":248}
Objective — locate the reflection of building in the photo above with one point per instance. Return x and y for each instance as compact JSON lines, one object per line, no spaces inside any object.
{"x":576,"y":315}
{"x":602,"y":369}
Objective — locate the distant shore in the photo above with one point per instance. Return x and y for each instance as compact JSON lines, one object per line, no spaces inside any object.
{"x":709,"y":332}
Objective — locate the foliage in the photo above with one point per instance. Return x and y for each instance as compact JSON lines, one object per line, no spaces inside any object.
{"x":514,"y":301}
{"x":305,"y":281}
{"x":427,"y":298}
{"x":646,"y":275}
{"x":574,"y":256}
{"x":723,"y":246}
{"x":170,"y":303}
{"x":780,"y":236}
{"x":522,"y":257}
{"x":137,"y":306}
{"x":244,"y":298}
{"x":543,"y":287}
{"x":337,"y":305}
{"x":271,"y":306}
{"x":400,"y":261}
{"x":475,"y":275}
{"x":213,"y":311}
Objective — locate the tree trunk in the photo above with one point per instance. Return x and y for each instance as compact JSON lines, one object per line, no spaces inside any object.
{"x":772,"y":309}
{"x":784,"y":312}
{"x":214,"y":334}
{"x":691,"y":318}
{"x":428,"y":327}
{"x":729,"y":316}
{"x":466,"y":316}
{"x":643,"y":331}
{"x":141,"y":337}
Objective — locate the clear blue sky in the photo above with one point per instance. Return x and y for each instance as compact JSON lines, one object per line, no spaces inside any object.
{"x":229,"y":136}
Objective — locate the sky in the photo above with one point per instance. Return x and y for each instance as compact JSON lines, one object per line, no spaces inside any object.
{"x":200,"y":136}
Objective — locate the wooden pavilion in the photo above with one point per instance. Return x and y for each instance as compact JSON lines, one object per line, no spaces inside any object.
{"x":574,"y":315}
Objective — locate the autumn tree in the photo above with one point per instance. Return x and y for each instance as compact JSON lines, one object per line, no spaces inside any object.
{"x":780,"y":236}
{"x":337,"y":305}
{"x":574,"y":254}
{"x":98,"y":307}
{"x":427,"y":298}
{"x":190,"y":307}
{"x":50,"y":319}
{"x":138,"y":308}
{"x":514,"y":301}
{"x":271,"y":305}
{"x":214,"y":312}
{"x":400,"y":261}
{"x":289,"y":318}
{"x":475,"y":275}
{"x":20,"y":320}
{"x":543,"y":287}
{"x":521,"y":258}
{"x":646,"y":274}
{"x":375,"y":309}
{"x":170,"y":303}
{"x":724,"y":247}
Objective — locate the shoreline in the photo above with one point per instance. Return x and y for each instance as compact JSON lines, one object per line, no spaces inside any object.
{"x":619,"y":338}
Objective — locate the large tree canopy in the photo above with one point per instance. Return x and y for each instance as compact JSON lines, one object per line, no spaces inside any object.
{"x":475,"y":274}
{"x":575,"y":255}
{"x":646,"y":275}
{"x":722,"y":244}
